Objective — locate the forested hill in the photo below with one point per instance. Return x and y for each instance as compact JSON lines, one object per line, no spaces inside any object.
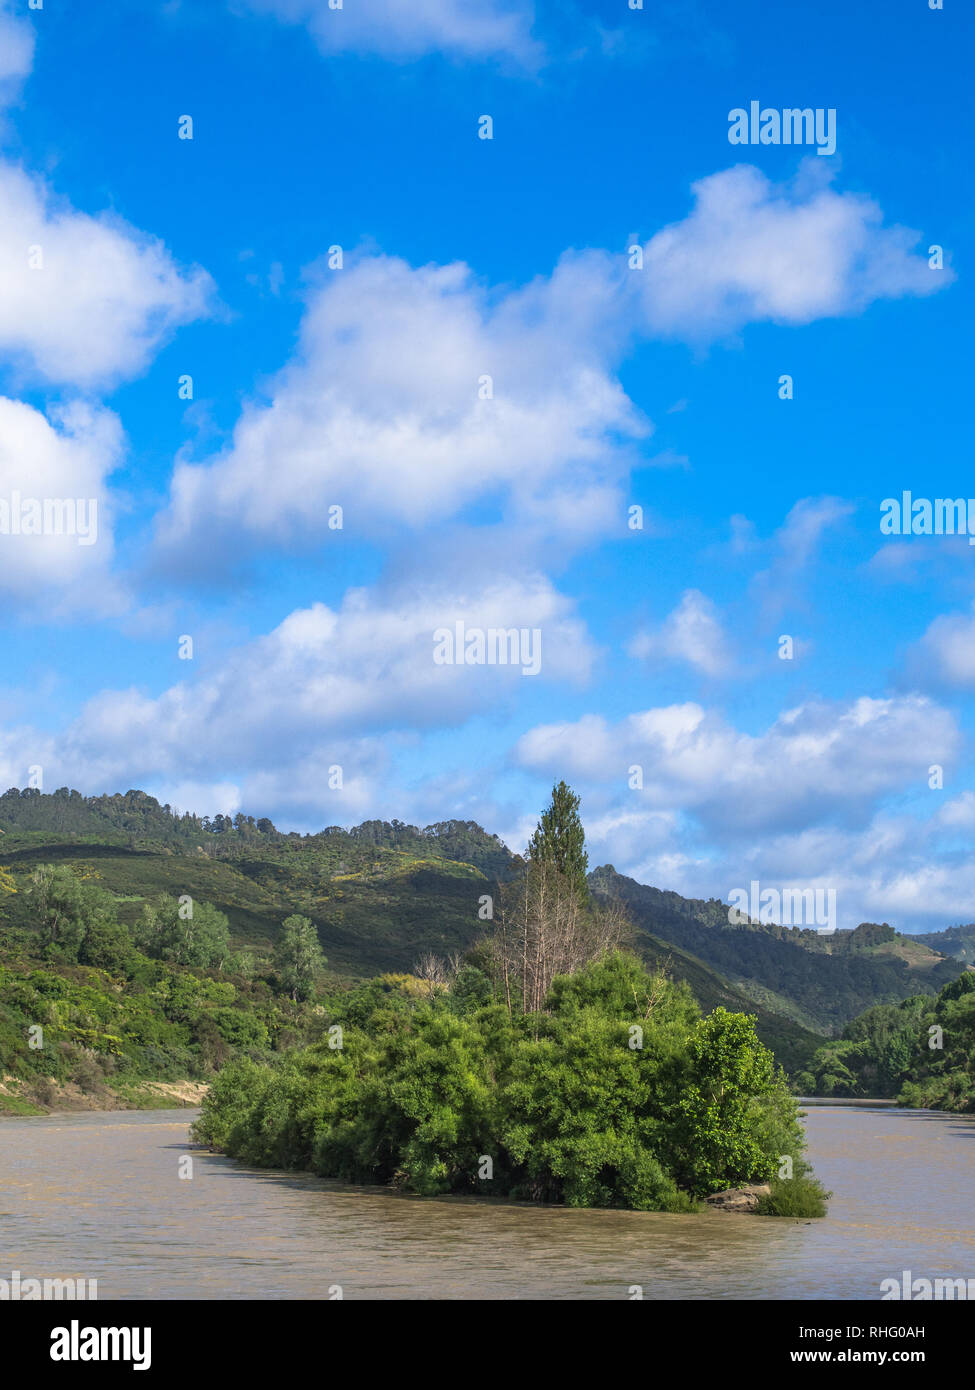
{"x":919,"y":1051}
{"x":135,"y":817}
{"x":383,"y":893}
{"x":817,"y":979}
{"x":958,"y":942}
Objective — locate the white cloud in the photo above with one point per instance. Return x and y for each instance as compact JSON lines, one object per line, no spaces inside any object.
{"x":792,"y":550}
{"x":958,"y":813}
{"x":945,"y":655}
{"x":16,"y":51}
{"x":321,"y":688}
{"x":896,"y":869}
{"x":692,"y":633}
{"x":104,"y":298}
{"x":404,"y":29}
{"x":381,"y":409}
{"x":801,"y":805}
{"x":754,"y":251}
{"x":382,"y":412}
{"x":65,"y":458}
{"x":818,"y":762}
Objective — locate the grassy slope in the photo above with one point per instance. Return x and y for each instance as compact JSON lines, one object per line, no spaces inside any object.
{"x":378,"y":916}
{"x":820,"y":983}
{"x":377,"y":909}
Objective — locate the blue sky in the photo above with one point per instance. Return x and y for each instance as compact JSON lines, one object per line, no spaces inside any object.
{"x":613,"y":386}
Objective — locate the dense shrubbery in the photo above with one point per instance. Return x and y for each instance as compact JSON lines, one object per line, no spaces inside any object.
{"x":921,"y":1051}
{"x":85,"y":1001}
{"x":435,"y":1091}
{"x":158,"y":1023}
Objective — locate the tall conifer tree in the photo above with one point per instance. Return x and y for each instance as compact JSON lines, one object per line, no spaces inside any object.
{"x":561,"y":841}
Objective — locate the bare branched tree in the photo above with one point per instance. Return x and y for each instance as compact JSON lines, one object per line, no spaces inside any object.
{"x":543,"y":929}
{"x":432,"y":968}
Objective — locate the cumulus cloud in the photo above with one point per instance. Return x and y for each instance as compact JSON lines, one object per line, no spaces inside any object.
{"x":692,"y":633}
{"x":804,"y":804}
{"x":320,"y":689}
{"x":895,"y":868}
{"x":414,"y":394}
{"x":404,"y":29}
{"x":417,"y":392}
{"x":16,"y":51}
{"x":754,"y":251}
{"x":84,"y":300}
{"x":819,"y":762}
{"x":945,"y":656}
{"x":56,"y":541}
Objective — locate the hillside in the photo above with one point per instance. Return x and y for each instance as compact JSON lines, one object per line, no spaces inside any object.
{"x":817,"y":980}
{"x":383,"y":894}
{"x":918,"y":1051}
{"x":957,"y":942}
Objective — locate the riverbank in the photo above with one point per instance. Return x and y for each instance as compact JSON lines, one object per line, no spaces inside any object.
{"x":17,"y":1098}
{"x":856,"y":1102}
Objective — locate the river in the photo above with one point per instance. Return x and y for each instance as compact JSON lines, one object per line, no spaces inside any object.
{"x":99,"y":1196}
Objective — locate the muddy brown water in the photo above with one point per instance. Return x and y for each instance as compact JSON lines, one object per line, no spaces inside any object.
{"x":98,"y":1196}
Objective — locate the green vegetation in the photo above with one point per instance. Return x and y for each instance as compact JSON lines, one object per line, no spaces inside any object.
{"x":380,"y":896}
{"x":920,"y":1051}
{"x":551,"y":1066}
{"x":94,"y":897}
{"x":298,"y":957}
{"x":560,"y":841}
{"x":821,"y":981}
{"x":958,"y":942}
{"x":802,"y":1195}
{"x":617,"y":1094}
{"x":90,"y":1009}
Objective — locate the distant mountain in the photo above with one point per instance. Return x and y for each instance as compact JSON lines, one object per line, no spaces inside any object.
{"x":957,"y":942}
{"x":821,"y":981}
{"x":384,"y":893}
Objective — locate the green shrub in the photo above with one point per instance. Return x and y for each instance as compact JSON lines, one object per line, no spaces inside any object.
{"x":618,"y":1095}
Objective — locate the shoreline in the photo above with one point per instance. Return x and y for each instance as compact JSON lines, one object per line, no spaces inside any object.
{"x":173,"y":1102}
{"x":864,"y":1103}
{"x":144,"y":1096}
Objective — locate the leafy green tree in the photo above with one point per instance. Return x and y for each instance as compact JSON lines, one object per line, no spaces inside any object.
{"x":560,"y":840}
{"x":185,"y":932}
{"x":240,"y":963}
{"x":107,"y":946}
{"x":471,"y":989}
{"x":64,"y":908}
{"x":728,"y":1069}
{"x":298,"y":956}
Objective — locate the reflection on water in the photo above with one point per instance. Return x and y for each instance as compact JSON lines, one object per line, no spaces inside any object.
{"x":99,"y":1196}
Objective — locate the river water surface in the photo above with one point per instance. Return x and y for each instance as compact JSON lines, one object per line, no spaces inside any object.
{"x":98,"y":1196}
